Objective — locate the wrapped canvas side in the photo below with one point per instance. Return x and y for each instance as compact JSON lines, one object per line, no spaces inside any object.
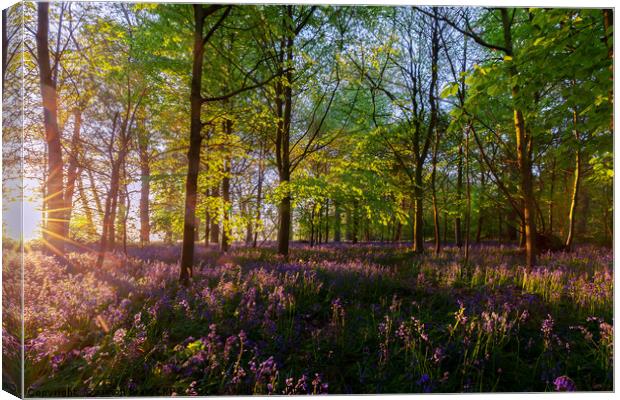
{"x":12,"y":200}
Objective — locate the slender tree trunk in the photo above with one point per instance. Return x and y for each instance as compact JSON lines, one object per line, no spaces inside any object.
{"x":72,"y":169}
{"x":226,"y":228}
{"x":499,"y":227}
{"x":524,"y":150}
{"x":436,"y":222}
{"x":398,"y":232}
{"x":459,"y":198}
{"x":285,"y":225}
{"x":108,"y":236}
{"x":145,"y":189}
{"x":193,"y":154}
{"x":468,"y":207}
{"x":607,"y":219}
{"x":445,"y":227}
{"x":348,"y":233}
{"x":312,"y":226}
{"x":551,"y":191}
{"x":249,"y":231}
{"x":480,"y":209}
{"x":327,"y":221}
{"x":283,"y":135}
{"x":434,"y":194}
{"x":115,"y":189}
{"x":355,"y":227}
{"x":284,"y":208}
{"x":54,"y":231}
{"x":125,"y":217}
{"x":418,"y":215}
{"x":90,"y":224}
{"x":249,"y":234}
{"x":96,"y":198}
{"x":259,"y":193}
{"x":512,"y":224}
{"x":208,"y":216}
{"x":207,"y":226}
{"x":215,"y":225}
{"x":319,"y":225}
{"x":576,"y":184}
{"x":522,"y":238}
{"x":458,"y":232}
{"x":337,"y":223}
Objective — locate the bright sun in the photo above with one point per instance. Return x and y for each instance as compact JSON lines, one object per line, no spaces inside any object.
{"x":23,"y":219}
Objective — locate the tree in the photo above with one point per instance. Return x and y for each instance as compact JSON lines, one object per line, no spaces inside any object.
{"x":54,"y":231}
{"x":201,"y":13}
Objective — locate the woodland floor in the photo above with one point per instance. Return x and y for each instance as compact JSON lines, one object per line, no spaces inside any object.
{"x":365,"y":318}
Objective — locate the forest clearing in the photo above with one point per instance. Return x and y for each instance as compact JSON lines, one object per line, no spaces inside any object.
{"x":205,"y":199}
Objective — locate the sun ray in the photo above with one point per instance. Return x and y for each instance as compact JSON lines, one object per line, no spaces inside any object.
{"x":52,"y":195}
{"x":51,"y":210}
{"x":57,"y":219}
{"x":66,"y":239}
{"x":53,"y":248}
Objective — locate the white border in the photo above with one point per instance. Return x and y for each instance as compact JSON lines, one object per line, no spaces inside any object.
{"x":515,"y":3}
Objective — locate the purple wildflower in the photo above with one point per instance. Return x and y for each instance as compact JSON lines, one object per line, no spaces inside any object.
{"x":564,"y":384}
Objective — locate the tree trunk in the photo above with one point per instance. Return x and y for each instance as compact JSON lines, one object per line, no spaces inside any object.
{"x":511,"y":225}
{"x":145,"y":189}
{"x":96,"y":197}
{"x":576,"y":183}
{"x":398,"y":232}
{"x":337,"y":223}
{"x":459,"y":198}
{"x":226,"y":228}
{"x":284,"y":227}
{"x":114,"y":194}
{"x":434,"y":195}
{"x":418,"y":215}
{"x":551,"y":191}
{"x":326,"y":221}
{"x":249,"y":234}
{"x":319,"y":225}
{"x":109,"y":217}
{"x":312,"y":226}
{"x":90,"y":224}
{"x":259,"y":193}
{"x":480,"y":209}
{"x":468,"y":207}
{"x":445,"y":227}
{"x":348,"y":235}
{"x":193,"y":154}
{"x":207,"y":225}
{"x":522,"y":234}
{"x":433,"y":98}
{"x":125,"y":216}
{"x":54,"y":231}
{"x":524,"y":150}
{"x":284,"y":110}
{"x":72,"y":169}
{"x":499,"y":227}
{"x":355,"y":227}
{"x":215,"y":225}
